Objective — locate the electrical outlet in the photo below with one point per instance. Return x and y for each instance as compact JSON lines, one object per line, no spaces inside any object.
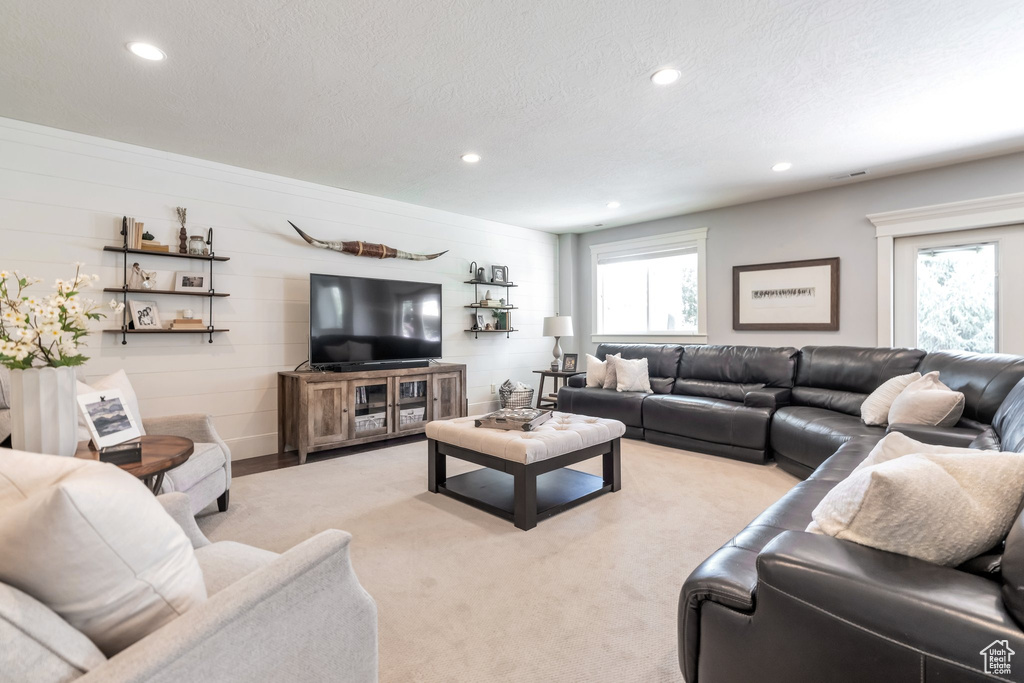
{"x":493,"y":389}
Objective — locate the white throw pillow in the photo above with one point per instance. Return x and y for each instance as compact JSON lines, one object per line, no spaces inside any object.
{"x":91,"y":542}
{"x":596,"y":371}
{"x":631,"y":375}
{"x":943,"y":509}
{"x":927,"y":402}
{"x":875,"y":409}
{"x":608,"y":381}
{"x":118,"y":380}
{"x":896,"y":445}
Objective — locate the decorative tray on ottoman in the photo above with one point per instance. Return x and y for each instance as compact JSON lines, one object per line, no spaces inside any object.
{"x":518,"y":419}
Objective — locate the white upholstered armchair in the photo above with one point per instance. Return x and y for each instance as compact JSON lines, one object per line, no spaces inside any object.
{"x":206,"y":476}
{"x":298,"y":616}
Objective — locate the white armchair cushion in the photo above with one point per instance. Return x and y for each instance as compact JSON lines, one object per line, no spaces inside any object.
{"x":91,"y":542}
{"x":119,"y":381}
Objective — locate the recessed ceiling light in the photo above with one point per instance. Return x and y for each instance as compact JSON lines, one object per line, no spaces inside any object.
{"x":613,"y":205}
{"x":782,"y":166}
{"x":147,"y":51}
{"x":665,"y":76}
{"x":471,"y":158}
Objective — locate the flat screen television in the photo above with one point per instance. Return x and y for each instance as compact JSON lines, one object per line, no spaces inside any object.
{"x":359,"y":320}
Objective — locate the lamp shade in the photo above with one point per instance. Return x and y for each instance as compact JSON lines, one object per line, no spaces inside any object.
{"x":558,"y":326}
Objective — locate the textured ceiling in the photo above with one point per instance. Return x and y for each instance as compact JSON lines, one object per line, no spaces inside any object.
{"x":382,"y":96}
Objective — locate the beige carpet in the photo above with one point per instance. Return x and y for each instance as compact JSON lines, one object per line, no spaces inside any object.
{"x":588,"y":595}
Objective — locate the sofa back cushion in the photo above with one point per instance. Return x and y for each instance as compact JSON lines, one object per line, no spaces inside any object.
{"x":730,"y":372}
{"x":91,"y":542}
{"x":1008,"y":422}
{"x":985,"y":379}
{"x":662,"y":361}
{"x":840,"y":377}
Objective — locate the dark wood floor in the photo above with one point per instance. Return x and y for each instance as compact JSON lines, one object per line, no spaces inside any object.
{"x":277,"y":461}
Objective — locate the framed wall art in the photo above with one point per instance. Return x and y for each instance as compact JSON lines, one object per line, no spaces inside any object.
{"x":191,"y":282}
{"x":791,"y":295}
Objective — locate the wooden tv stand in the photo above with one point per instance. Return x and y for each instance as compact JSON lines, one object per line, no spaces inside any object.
{"x":318,"y":411}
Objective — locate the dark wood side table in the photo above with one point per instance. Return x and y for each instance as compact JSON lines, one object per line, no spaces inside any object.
{"x":160,"y":454}
{"x":551,"y":400}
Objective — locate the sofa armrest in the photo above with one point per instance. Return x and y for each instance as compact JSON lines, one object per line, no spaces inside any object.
{"x":303,"y":617}
{"x":957,"y":437}
{"x":196,"y":426}
{"x":939,"y":611}
{"x":177,"y":506}
{"x":772,"y":398}
{"x":579,"y":381}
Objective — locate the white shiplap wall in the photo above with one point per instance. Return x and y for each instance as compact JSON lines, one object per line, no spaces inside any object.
{"x":62,"y":196}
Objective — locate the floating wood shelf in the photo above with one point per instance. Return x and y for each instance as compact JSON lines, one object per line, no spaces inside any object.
{"x":490,"y":284}
{"x":164,"y":330}
{"x":122,"y":250}
{"x":121,"y":290}
{"x":493,"y":308}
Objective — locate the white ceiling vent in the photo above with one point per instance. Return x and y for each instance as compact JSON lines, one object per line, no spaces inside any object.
{"x":847,"y":176}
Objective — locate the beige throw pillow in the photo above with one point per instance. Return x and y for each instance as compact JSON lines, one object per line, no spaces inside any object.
{"x":875,"y":409}
{"x":927,"y":401}
{"x":941,"y":508}
{"x":91,"y":542}
{"x":609,"y":366}
{"x":597,"y":370}
{"x":118,"y":380}
{"x":631,"y":375}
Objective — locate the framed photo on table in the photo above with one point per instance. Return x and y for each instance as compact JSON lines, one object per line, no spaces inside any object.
{"x":108,"y":418}
{"x":791,"y":295}
{"x":569,"y":362}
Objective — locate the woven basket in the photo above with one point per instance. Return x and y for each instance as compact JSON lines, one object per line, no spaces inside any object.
{"x":515,"y":398}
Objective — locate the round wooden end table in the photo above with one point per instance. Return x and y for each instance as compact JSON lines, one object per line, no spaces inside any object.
{"x":160,"y":454}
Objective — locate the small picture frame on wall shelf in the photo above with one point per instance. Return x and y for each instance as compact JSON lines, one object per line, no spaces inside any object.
{"x":145,"y":315}
{"x":191,"y":281}
{"x":499,"y":275}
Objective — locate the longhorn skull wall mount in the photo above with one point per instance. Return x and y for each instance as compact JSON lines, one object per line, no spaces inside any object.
{"x":368,"y":249}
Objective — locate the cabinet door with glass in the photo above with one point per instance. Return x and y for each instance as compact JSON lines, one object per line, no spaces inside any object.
{"x":370,"y":403}
{"x":447,"y":397}
{"x":412,"y":402}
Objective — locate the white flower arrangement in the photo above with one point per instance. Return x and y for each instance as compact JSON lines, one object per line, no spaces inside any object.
{"x":38,"y":331}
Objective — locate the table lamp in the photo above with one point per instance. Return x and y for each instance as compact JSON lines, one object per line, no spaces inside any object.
{"x":557,"y":326}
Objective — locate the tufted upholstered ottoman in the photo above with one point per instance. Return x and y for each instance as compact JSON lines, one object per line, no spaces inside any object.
{"x":524,"y":477}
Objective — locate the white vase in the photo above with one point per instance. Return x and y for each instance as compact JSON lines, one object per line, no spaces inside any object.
{"x":44,"y":410}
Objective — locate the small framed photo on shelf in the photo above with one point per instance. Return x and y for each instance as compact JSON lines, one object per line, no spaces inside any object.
{"x":569,"y":362}
{"x":108,"y":419}
{"x":499,"y":274}
{"x":145,"y":315}
{"x":191,"y":282}
{"x":480,"y":321}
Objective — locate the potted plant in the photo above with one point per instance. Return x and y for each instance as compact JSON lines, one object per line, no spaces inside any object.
{"x":40,"y":340}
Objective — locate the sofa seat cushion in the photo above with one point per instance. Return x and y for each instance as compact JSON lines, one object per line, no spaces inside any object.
{"x":708,"y":419}
{"x":845,"y":460}
{"x":810,"y":435}
{"x":38,"y":645}
{"x":225,"y":562}
{"x":624,"y":406}
{"x":206,"y":459}
{"x":727,"y":391}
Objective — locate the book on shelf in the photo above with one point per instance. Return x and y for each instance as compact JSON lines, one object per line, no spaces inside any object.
{"x":155,"y":246}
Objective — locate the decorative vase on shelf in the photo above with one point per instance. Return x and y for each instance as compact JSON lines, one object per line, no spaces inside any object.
{"x":44,"y":410}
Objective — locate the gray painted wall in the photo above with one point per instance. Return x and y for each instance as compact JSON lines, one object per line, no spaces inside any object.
{"x":818,"y":224}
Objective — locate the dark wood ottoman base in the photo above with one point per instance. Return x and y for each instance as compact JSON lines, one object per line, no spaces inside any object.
{"x":523,"y":494}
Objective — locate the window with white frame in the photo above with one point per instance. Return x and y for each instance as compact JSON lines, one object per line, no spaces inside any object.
{"x":650,"y":287}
